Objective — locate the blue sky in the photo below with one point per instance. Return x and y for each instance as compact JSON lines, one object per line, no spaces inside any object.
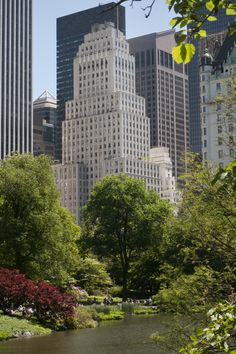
{"x":45,"y":14}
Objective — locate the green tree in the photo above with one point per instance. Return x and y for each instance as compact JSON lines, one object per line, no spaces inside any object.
{"x":92,"y":276}
{"x":196,"y":12}
{"x":37,"y":235}
{"x":121,"y":220}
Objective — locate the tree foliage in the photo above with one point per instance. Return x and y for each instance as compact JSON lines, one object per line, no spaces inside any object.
{"x":194,"y":12}
{"x":37,"y":235}
{"x":121,"y":220}
{"x":200,"y":247}
{"x":92,"y":276}
{"x":219,"y":335}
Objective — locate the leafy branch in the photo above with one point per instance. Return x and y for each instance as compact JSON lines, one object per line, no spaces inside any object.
{"x":194,"y":12}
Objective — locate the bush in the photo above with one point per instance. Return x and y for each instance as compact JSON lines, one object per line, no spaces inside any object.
{"x":47,"y":303}
{"x":15,"y":290}
{"x":51,"y":306}
{"x":127,"y":307}
{"x":83,"y":317}
{"x":191,"y":293}
{"x":5,"y":335}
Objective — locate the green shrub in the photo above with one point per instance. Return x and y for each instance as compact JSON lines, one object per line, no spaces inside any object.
{"x":5,"y":335}
{"x":112,"y":315}
{"x":127,"y":307}
{"x":190,"y":293}
{"x":82,"y":318}
{"x":144,"y":310}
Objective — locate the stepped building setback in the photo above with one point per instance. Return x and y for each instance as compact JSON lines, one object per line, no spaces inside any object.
{"x":71,"y":30}
{"x":106,"y":130}
{"x":16,"y":123}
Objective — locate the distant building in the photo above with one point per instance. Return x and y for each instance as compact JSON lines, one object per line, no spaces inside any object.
{"x":218,"y":120}
{"x":44,"y":125}
{"x":106,"y":130}
{"x":164,"y":85}
{"x":71,"y":30}
{"x":212,"y":27}
{"x":16,"y":123}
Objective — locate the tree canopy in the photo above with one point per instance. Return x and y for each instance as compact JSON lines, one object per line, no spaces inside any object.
{"x":121,"y":220}
{"x":37,"y":235}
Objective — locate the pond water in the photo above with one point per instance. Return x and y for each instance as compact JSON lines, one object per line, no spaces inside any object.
{"x":129,"y":336}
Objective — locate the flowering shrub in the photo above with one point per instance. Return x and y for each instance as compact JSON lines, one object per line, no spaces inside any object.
{"x":220,"y":334}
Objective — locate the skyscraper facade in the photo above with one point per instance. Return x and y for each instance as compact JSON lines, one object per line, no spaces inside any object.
{"x":164,"y":85}
{"x":15,"y":76}
{"x":45,"y":109}
{"x":218,"y":114}
{"x":213,"y":27}
{"x":106,"y":130}
{"x":71,"y":30}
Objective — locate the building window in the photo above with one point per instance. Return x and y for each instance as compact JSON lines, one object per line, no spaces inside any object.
{"x":231,"y":153}
{"x":220,"y":154}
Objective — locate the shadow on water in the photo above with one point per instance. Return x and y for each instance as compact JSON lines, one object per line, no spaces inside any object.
{"x":129,"y":336}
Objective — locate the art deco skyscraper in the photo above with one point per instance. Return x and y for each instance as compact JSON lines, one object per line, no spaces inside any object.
{"x":106,"y":130}
{"x":15,"y":76}
{"x":71,"y":30}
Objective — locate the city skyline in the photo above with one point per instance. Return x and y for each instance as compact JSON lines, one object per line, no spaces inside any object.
{"x":44,"y":52}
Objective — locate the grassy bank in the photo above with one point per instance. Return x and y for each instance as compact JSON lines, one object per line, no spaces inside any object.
{"x":13,"y":327}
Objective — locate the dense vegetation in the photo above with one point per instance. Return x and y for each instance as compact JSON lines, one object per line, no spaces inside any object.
{"x":131,"y":244}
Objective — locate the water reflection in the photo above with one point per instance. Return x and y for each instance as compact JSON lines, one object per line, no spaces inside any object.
{"x":129,"y":336}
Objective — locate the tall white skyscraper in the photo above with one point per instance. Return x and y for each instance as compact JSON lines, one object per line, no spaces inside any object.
{"x":106,"y":130}
{"x":15,"y":76}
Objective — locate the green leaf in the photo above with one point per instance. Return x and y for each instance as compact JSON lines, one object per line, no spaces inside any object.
{"x":183,"y":53}
{"x":231,"y":11}
{"x":210,"y":5}
{"x":202,"y":33}
{"x":211,"y":18}
{"x":233,"y":352}
{"x":174,"y":22}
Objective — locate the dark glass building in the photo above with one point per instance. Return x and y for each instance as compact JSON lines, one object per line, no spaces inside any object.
{"x":194,"y":80}
{"x":45,"y":109}
{"x":15,"y":76}
{"x":71,"y":30}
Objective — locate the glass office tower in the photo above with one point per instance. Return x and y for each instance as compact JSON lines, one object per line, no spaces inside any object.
{"x":71,"y":30}
{"x":194,"y":80}
{"x":15,"y":76}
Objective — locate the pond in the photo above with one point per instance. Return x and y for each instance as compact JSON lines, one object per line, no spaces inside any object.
{"x":129,"y":336}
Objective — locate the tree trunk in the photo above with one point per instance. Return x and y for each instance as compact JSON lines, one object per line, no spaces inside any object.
{"x":124,"y":283}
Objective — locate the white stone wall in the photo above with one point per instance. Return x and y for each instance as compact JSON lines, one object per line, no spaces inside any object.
{"x":218,"y":130}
